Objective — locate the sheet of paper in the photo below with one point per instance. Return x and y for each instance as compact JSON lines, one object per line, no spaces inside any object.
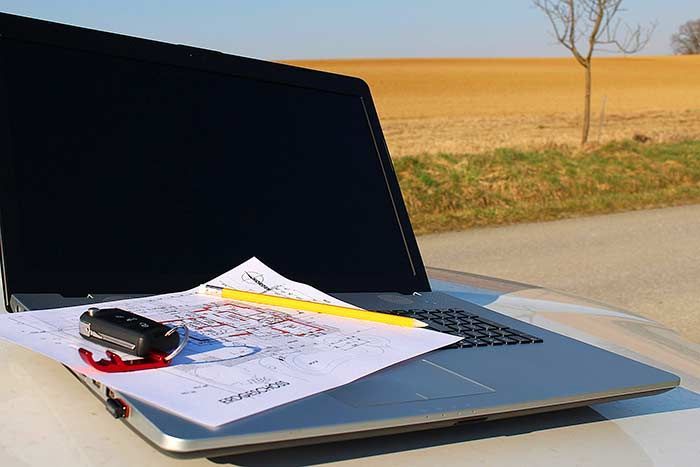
{"x":241,"y":359}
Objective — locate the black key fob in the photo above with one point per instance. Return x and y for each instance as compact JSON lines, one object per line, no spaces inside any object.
{"x":127,"y":332}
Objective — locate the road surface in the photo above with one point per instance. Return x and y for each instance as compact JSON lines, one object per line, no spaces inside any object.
{"x":647,"y":262}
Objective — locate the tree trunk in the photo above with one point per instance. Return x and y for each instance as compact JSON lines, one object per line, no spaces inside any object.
{"x":587,"y":107}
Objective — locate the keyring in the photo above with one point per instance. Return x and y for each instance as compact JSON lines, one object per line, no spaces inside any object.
{"x":183,"y":341}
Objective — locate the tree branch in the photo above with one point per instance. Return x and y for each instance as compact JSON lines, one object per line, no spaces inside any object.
{"x":597,"y":21}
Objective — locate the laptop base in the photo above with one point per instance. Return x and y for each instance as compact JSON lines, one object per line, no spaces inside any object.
{"x":439,"y":389}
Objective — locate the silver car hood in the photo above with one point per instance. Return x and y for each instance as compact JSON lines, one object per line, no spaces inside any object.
{"x":48,"y":419}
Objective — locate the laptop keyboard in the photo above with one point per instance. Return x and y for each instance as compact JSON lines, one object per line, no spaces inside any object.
{"x":476,"y":331}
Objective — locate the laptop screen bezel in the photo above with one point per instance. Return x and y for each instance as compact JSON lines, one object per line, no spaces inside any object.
{"x":71,"y":37}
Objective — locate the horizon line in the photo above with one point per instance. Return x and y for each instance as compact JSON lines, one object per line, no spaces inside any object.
{"x":534,"y":57}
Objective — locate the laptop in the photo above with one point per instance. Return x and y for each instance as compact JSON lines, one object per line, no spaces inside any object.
{"x":131,"y":167}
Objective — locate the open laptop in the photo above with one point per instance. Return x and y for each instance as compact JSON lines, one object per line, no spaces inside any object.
{"x":133,"y":167}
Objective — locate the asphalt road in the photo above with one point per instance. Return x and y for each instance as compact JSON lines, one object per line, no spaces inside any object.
{"x":643,"y":261}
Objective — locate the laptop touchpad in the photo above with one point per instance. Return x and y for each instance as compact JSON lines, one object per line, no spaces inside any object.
{"x":417,"y":381}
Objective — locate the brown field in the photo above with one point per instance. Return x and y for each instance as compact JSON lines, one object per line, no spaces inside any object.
{"x":475,"y":105}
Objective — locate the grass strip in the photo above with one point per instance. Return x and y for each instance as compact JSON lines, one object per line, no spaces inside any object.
{"x":459,"y":191}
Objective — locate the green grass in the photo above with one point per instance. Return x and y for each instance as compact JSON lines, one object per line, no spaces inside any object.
{"x":459,"y":191}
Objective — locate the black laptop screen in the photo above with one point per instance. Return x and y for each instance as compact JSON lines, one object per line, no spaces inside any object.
{"x":133,"y":176}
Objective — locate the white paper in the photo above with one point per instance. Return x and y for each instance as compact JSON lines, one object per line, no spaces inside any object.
{"x":241,"y":358}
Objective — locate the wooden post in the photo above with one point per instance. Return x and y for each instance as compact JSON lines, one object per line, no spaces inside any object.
{"x":602,"y":117}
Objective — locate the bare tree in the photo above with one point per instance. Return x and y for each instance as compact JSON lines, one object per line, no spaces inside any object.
{"x":587,"y":26}
{"x":687,"y":40}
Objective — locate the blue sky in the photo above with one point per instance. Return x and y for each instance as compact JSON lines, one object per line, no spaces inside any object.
{"x":274,"y":29}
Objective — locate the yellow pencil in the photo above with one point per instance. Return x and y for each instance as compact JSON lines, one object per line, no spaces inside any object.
{"x":313,"y":306}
